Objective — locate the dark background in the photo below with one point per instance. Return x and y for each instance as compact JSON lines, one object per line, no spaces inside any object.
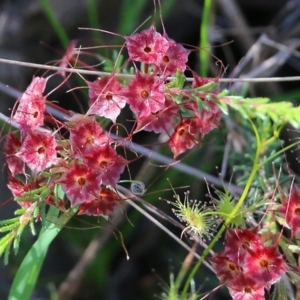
{"x":272,"y":27}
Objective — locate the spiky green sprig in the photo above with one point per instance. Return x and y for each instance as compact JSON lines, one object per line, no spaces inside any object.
{"x":170,"y":292}
{"x":199,"y":218}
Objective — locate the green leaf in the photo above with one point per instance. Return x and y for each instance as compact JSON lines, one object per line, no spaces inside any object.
{"x":6,"y":253}
{"x":26,"y":277}
{"x":55,"y":23}
{"x":207,"y":88}
{"x":6,"y":241}
{"x":279,"y":112}
{"x":20,"y":211}
{"x":9,"y":227}
{"x":9,"y":221}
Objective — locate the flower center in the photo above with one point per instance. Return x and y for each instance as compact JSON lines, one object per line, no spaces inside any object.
{"x":41,"y":150}
{"x":232,"y":266}
{"x":144,"y":94}
{"x":264,"y":263}
{"x":103,"y":164}
{"x":166,"y":59}
{"x":81,"y":181}
{"x":181,"y":131}
{"x":90,"y":140}
{"x":109,"y":97}
{"x":147,"y":49}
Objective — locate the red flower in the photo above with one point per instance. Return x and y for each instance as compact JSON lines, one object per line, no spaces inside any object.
{"x":265,"y":264}
{"x":148,"y":46}
{"x":290,"y":209}
{"x":161,"y":121}
{"x":38,"y":150}
{"x":80,"y":184}
{"x":175,"y":58}
{"x":185,"y":136}
{"x":107,"y":164}
{"x":30,"y":112}
{"x":11,"y":147}
{"x":225,"y":269}
{"x":243,"y":287}
{"x":239,"y":241}
{"x":105,"y":97}
{"x":87,"y":136}
{"x":103,"y":205}
{"x":145,"y":95}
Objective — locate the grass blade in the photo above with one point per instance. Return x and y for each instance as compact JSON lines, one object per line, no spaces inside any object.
{"x":26,"y":277}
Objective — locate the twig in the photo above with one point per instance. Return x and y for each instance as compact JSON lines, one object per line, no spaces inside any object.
{"x":99,"y":73}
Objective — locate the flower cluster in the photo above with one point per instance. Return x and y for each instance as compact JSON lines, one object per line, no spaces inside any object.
{"x":83,"y":165}
{"x":246,"y":266}
{"x":85,"y":160}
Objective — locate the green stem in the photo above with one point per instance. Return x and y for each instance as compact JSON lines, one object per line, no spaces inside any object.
{"x":242,"y":199}
{"x":204,"y":41}
{"x":272,"y":157}
{"x":57,"y":26}
{"x":93,"y":13}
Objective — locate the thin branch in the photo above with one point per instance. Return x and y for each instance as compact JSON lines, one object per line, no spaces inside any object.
{"x":99,"y":73}
{"x":162,"y":227}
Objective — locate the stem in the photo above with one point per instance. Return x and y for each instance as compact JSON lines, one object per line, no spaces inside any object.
{"x":278,"y":153}
{"x":93,"y":13}
{"x":242,"y":199}
{"x":204,"y":41}
{"x":120,"y":75}
{"x":56,"y":25}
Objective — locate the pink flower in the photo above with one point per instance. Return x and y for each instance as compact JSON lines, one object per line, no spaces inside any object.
{"x":87,"y":137}
{"x":148,"y":46}
{"x":107,"y":164}
{"x":11,"y":147}
{"x":175,"y":58}
{"x":145,"y":95}
{"x":18,"y":188}
{"x":185,"y":136}
{"x":38,"y":150}
{"x":161,"y":121}
{"x":30,"y":112}
{"x":68,"y":57}
{"x":105,"y":98}
{"x":103,"y":205}
{"x":80,"y":184}
{"x":290,"y":209}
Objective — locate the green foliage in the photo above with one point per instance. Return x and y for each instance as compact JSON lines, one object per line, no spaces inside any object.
{"x":56,"y":25}
{"x":204,"y":52}
{"x":171,"y":292}
{"x":280,"y":113}
{"x":27,"y":275}
{"x":224,"y":206}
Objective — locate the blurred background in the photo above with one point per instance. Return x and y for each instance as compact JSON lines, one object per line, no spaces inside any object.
{"x":252,"y":39}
